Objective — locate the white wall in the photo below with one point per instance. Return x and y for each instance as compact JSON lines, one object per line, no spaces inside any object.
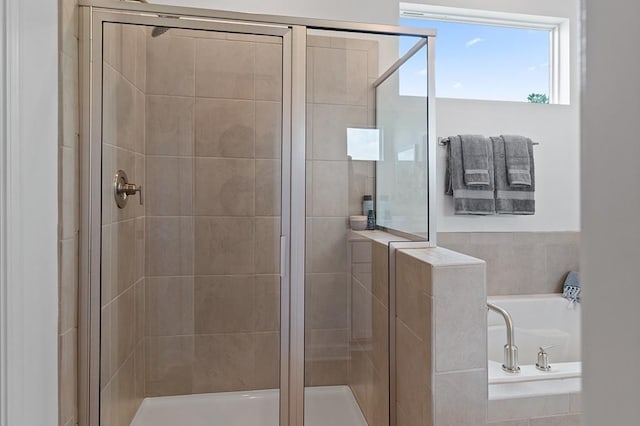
{"x":611,"y":213}
{"x":29,"y":216}
{"x":555,"y":127}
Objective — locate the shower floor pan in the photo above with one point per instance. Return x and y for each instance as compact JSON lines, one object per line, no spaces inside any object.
{"x":326,"y":405}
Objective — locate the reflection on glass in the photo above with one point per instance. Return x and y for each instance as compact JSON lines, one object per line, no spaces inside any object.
{"x":402,"y":171}
{"x":413,"y":79}
{"x":363,"y":144}
{"x":408,"y":154}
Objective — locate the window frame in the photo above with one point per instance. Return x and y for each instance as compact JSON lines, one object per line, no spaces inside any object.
{"x":558,"y":28}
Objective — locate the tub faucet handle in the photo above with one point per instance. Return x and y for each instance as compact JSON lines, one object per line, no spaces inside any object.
{"x":543,"y":359}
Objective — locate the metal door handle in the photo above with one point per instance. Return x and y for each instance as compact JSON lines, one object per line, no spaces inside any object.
{"x":122,"y":189}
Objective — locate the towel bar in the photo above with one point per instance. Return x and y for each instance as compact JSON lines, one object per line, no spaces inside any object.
{"x":445,"y":141}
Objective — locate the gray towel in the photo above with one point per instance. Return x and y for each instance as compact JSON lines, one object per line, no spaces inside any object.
{"x":475,"y":159}
{"x":516,"y":149}
{"x":476,"y":199}
{"x":512,"y":199}
{"x":571,"y":289}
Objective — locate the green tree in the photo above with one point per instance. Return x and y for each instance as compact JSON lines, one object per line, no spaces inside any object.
{"x":538,"y":98}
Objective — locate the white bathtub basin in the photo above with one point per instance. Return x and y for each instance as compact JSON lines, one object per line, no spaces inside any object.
{"x":539,"y":320}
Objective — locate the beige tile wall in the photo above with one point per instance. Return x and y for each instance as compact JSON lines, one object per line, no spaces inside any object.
{"x":440,"y":338}
{"x":123,"y":230}
{"x":369,"y":338}
{"x":520,"y":262}
{"x":213,"y":137}
{"x":68,"y":213}
{"x":339,"y":95}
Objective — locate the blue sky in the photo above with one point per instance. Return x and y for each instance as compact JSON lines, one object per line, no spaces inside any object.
{"x":479,"y":62}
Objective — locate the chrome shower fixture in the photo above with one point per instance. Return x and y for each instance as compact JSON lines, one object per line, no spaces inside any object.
{"x":158,"y":31}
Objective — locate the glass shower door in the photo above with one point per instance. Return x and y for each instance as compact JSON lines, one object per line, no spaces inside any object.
{"x":366,"y":162}
{"x":346,"y":339}
{"x":192,"y":166}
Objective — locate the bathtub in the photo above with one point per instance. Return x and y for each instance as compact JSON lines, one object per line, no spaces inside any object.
{"x":539,"y":320}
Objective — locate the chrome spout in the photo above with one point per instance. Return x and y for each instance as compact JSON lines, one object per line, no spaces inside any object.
{"x":510,"y":349}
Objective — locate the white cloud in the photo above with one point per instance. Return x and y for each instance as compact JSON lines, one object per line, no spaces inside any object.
{"x":422,"y":71}
{"x":457,"y":85}
{"x":533,"y":68}
{"x":474,"y":41}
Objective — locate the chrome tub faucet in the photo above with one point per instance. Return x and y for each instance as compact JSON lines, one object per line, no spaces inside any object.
{"x":510,"y":349}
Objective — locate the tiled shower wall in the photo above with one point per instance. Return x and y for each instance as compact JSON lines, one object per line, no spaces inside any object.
{"x":68,"y":213}
{"x":213,"y":149}
{"x":340,"y":73}
{"x":213,"y":212}
{"x":369,"y":338}
{"x":123,"y":230}
{"x":520,"y":262}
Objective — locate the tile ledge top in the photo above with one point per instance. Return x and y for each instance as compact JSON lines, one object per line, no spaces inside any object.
{"x":439,"y":256}
{"x":376,"y":236}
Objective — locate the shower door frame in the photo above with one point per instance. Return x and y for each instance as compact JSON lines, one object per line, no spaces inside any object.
{"x":294,"y":32}
{"x":91,"y":50}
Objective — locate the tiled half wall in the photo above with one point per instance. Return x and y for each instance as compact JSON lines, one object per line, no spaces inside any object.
{"x":439,"y":331}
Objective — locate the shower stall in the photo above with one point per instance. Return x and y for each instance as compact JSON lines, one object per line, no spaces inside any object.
{"x":222,"y":156}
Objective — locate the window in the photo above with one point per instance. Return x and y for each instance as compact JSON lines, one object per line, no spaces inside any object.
{"x":479,"y":56}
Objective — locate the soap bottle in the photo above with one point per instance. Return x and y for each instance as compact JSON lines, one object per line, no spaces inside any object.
{"x":371,"y":221}
{"x":367,"y":204}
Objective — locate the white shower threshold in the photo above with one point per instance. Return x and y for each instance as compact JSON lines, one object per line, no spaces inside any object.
{"x":324,"y":405}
